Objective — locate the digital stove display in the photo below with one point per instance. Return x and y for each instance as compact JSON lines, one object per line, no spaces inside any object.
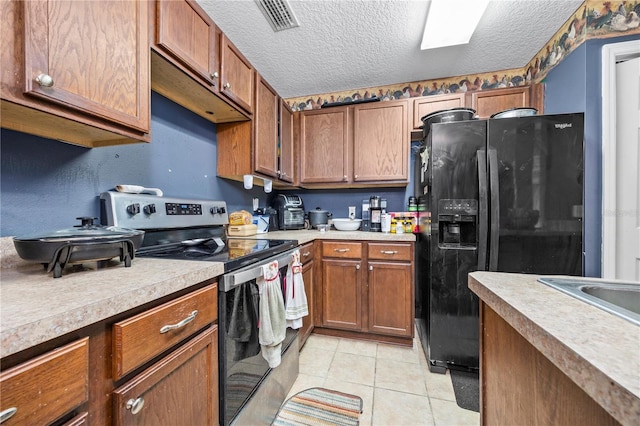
{"x":175,"y":209}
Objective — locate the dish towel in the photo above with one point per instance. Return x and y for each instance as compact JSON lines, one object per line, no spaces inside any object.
{"x":295,"y":296}
{"x":272,"y":314}
{"x":243,"y":321}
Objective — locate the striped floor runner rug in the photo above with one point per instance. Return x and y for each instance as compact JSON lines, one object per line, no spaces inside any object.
{"x":319,"y":406}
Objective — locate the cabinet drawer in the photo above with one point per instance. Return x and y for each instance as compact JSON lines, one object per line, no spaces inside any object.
{"x":47,"y":387}
{"x":306,"y":253}
{"x":387,"y":251}
{"x":138,"y":339}
{"x":341,"y":249}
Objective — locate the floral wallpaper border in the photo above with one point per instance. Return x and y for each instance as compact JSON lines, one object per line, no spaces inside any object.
{"x":593,"y":19}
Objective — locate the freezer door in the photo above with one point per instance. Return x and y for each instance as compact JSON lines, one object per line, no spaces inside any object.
{"x":536,"y":170}
{"x":454,"y":240}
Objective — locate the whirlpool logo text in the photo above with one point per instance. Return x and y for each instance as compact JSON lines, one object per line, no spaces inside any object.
{"x":563,"y":125}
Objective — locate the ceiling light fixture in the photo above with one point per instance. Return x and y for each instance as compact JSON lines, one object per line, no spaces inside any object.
{"x":451,"y":22}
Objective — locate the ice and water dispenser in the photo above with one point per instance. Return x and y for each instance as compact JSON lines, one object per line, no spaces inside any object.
{"x":457,"y":221}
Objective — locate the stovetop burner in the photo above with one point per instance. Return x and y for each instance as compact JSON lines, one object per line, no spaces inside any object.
{"x":235,"y":253}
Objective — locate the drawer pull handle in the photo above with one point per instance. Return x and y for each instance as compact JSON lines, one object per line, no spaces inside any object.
{"x":343,"y":250}
{"x":7,"y":414}
{"x":392,"y":252}
{"x":306,"y":254}
{"x":181,"y":324}
{"x":135,"y":405}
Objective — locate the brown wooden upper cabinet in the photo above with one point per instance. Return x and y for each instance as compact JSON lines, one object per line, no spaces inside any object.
{"x":236,"y":74}
{"x":355,"y":146}
{"x":188,"y":34}
{"x":427,"y":104}
{"x":489,"y":102}
{"x":262,"y":147}
{"x":186,"y":60}
{"x":83,"y":75}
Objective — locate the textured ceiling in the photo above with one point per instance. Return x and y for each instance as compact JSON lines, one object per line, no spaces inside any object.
{"x":352,"y":44}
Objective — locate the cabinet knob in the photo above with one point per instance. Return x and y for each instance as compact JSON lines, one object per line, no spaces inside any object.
{"x":44,"y":80}
{"x":135,"y":405}
{"x":344,"y":178}
{"x":215,"y":75}
{"x":7,"y":414}
{"x":358,"y":267}
{"x":227,"y":85}
{"x":370,"y":267}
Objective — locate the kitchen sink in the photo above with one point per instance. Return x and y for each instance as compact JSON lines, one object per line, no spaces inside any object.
{"x":617,"y":297}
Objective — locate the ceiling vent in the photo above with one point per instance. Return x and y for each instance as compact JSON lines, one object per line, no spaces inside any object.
{"x":278,"y":13}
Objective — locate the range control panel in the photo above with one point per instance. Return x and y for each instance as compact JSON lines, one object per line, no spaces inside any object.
{"x":144,"y":211}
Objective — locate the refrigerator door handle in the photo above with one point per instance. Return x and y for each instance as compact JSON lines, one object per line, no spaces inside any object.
{"x":494,"y":225}
{"x":483,"y":209}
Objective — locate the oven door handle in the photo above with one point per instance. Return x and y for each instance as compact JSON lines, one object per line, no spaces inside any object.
{"x":236,"y":278}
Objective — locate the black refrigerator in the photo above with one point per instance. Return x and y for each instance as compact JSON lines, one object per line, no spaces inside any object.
{"x":497,"y":195}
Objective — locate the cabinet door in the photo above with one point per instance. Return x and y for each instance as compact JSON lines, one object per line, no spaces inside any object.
{"x":90,"y":56}
{"x":325,"y":146}
{"x":307,"y":322}
{"x":287,"y":171}
{"x":236,"y":74}
{"x":265,"y":129}
{"x":181,"y":389}
{"x":186,"y":32}
{"x":489,"y":102}
{"x":381,"y":142}
{"x":428,"y":104}
{"x":341,"y":294}
{"x":390,"y":298}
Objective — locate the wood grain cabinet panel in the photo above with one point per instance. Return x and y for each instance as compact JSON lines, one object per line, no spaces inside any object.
{"x":325,"y":145}
{"x":180,"y":389}
{"x":519,"y":385}
{"x":77,"y":72}
{"x":95,"y":54}
{"x":236,"y":75}
{"x":187,"y":33}
{"x":47,"y":387}
{"x":428,"y":104}
{"x":342,"y":294}
{"x":381,"y":142}
{"x":286,"y":144}
{"x":140,"y":338}
{"x":391,"y":301}
{"x":489,"y":102}
{"x":308,"y":264}
{"x":265,"y":129}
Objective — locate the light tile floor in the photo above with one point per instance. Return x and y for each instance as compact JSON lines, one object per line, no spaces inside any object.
{"x":394,"y":382}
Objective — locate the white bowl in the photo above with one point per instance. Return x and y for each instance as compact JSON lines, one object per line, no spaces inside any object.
{"x":347,"y":224}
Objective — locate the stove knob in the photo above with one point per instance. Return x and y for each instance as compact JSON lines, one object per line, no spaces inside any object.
{"x":217,"y":210}
{"x":149,"y":209}
{"x":133,"y":209}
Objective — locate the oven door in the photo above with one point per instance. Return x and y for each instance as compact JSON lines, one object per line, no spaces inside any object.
{"x":244,"y":373}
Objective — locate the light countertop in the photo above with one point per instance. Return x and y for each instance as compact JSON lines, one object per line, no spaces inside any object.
{"x":599,"y":351}
{"x":35,"y":307}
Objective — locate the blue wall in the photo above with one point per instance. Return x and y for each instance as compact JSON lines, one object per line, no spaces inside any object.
{"x":46,"y":184}
{"x":575,"y":85}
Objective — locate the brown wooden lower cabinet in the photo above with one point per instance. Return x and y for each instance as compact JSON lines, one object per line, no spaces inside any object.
{"x":520,"y":386}
{"x":366,"y":291}
{"x":308,"y":276}
{"x":181,"y":389}
{"x":173,"y":379}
